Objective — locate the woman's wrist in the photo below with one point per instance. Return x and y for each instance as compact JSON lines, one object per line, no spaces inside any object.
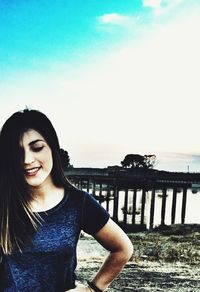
{"x":93,"y":287}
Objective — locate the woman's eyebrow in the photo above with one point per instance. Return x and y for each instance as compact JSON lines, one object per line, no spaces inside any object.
{"x":35,"y":141}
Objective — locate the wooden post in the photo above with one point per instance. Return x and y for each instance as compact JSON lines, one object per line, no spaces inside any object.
{"x":143,"y":206}
{"x":125,"y":205}
{"x":108,"y":197}
{"x":94,"y":188}
{"x":164,"y":191}
{"x":82,"y":184}
{"x":116,"y":203}
{"x":134,"y":206}
{"x":183,"y":205}
{"x":88,"y":185}
{"x":100,"y":193}
{"x":173,"y":213}
{"x":79,"y":184}
{"x":152,"y":206}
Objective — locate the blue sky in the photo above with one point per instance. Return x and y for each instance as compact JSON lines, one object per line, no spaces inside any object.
{"x":52,"y":30}
{"x":115,"y":77}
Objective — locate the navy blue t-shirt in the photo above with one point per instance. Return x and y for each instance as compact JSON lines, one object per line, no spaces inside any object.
{"x":48,"y":263}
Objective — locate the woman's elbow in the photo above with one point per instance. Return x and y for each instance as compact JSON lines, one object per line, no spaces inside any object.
{"x":128,"y":250}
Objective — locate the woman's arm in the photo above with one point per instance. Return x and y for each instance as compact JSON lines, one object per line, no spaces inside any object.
{"x":117,"y":242}
{"x":111,"y":237}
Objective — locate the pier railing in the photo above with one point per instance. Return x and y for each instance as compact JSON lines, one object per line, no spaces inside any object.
{"x":131,"y":196}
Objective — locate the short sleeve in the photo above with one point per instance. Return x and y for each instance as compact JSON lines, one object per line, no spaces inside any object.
{"x":94,"y":216}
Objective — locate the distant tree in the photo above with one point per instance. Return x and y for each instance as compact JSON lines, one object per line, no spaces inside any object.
{"x":150,"y":160}
{"x":65,"y":160}
{"x":138,"y":161}
{"x":133,"y":161}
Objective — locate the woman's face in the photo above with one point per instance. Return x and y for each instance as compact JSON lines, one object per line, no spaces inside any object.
{"x":37,"y":159}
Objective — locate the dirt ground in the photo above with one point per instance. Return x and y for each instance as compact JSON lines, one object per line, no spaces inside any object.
{"x":161,"y":262}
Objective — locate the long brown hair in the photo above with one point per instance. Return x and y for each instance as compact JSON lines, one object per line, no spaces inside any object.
{"x":16,"y":216}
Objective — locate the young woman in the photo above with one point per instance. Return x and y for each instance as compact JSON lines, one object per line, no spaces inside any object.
{"x":42,"y":214}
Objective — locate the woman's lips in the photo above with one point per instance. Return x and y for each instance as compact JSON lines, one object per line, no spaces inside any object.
{"x":32,"y":171}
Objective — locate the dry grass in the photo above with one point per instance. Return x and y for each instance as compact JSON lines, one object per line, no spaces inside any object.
{"x":161,"y":245}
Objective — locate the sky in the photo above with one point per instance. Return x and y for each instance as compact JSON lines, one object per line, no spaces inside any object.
{"x":115,"y":77}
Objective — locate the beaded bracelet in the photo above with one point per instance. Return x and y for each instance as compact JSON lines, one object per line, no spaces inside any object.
{"x":94,"y":287}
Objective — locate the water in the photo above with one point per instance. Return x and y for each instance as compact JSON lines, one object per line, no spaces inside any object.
{"x":192,"y":206}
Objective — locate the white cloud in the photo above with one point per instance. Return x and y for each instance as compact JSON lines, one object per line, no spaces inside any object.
{"x":115,"y":19}
{"x":152,"y":3}
{"x":162,"y":6}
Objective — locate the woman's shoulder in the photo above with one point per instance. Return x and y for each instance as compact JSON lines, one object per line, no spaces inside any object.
{"x":75,"y":192}
{"x":79,"y":196}
{"x":76,"y":195}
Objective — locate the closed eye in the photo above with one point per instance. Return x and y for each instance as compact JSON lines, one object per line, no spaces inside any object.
{"x":37,"y":149}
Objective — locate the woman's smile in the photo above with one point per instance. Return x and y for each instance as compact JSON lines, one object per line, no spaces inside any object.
{"x":32,"y":171}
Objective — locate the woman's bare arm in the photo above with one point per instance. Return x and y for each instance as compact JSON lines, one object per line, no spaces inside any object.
{"x":117,"y":242}
{"x":120,"y":250}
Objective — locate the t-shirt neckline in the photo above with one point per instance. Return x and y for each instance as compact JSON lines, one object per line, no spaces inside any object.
{"x":56,"y":207}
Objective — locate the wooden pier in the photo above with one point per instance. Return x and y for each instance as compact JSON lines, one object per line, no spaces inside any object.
{"x":124,"y":193}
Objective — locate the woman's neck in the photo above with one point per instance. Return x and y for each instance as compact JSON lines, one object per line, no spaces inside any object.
{"x":46,"y":197}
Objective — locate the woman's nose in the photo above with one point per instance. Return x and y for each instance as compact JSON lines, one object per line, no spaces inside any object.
{"x":29,"y":157}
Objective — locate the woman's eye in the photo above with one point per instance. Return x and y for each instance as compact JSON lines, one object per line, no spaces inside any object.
{"x":38,"y":149}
